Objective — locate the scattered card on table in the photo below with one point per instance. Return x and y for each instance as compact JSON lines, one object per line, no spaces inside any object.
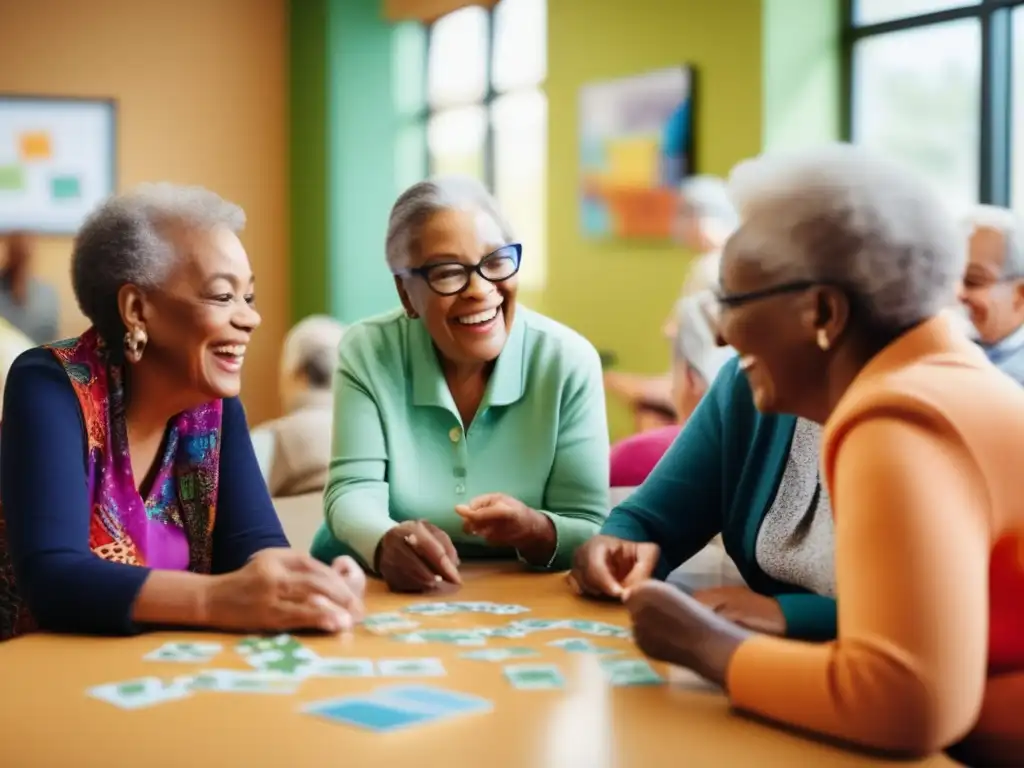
{"x":240,"y":681}
{"x":338,"y":667}
{"x":534,"y":677}
{"x":193,"y":653}
{"x":599,"y":629}
{"x":627,"y":672}
{"x":498,"y":654}
{"x":142,"y":692}
{"x":582,"y":645}
{"x":431,"y":609}
{"x":283,"y":654}
{"x":411,"y":668}
{"x":389,"y":709}
{"x":383,"y":623}
{"x":450,"y":636}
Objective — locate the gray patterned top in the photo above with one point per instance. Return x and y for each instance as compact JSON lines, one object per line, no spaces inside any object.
{"x":796,"y":543}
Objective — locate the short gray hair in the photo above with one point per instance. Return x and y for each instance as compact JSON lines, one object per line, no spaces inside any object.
{"x":840,"y":214}
{"x":707,"y":197}
{"x":697,"y":339}
{"x":311,"y":349}
{"x":420,"y":202}
{"x":129,"y":240}
{"x":1009,"y":225}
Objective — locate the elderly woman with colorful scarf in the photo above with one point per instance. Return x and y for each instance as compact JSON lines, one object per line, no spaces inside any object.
{"x":131,"y":496}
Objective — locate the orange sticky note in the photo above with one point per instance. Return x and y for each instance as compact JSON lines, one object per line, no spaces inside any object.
{"x":35,"y":146}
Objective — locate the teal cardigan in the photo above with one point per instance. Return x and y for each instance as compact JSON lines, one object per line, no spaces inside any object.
{"x":720,"y":476}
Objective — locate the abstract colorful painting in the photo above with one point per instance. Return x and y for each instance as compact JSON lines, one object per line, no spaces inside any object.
{"x":636,"y":147}
{"x":57,"y":161}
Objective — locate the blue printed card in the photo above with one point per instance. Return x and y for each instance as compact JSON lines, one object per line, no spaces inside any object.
{"x":397,"y":707}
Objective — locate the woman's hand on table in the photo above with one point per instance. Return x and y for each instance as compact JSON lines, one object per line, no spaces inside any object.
{"x":605,"y":566}
{"x":674,"y":627}
{"x":285,"y":589}
{"x":415,"y":556}
{"x":503,"y":521}
{"x":743,"y":606}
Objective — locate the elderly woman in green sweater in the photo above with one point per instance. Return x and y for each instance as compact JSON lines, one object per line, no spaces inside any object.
{"x":466,"y":426}
{"x":751,"y":477}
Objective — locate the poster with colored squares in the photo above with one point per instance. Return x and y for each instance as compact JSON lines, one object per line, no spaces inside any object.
{"x":57,"y":161}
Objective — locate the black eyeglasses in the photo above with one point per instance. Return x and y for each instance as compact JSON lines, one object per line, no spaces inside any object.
{"x":448,"y":278}
{"x":733,"y":300}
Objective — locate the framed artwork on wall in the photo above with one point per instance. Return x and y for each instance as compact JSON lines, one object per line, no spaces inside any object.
{"x":636,"y":147}
{"x":58,"y":161}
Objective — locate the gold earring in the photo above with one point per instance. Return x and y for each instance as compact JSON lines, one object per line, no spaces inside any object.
{"x":823,"y":342}
{"x":135,"y":342}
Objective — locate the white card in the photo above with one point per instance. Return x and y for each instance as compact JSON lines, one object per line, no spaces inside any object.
{"x":142,"y":692}
{"x":411,"y":668}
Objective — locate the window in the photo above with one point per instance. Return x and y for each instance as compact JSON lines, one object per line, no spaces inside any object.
{"x":930,"y":85}
{"x":486,"y":113}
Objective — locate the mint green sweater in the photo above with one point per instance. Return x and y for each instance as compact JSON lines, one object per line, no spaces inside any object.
{"x":720,"y":476}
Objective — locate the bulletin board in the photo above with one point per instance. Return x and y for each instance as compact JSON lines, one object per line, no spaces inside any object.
{"x":57,"y":161}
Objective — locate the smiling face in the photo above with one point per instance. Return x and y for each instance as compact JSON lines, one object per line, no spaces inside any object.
{"x":995,"y":305}
{"x":200,"y":322}
{"x":470,"y":327}
{"x":773,"y":324}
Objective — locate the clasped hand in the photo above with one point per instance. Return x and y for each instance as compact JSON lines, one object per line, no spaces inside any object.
{"x":284,"y":589}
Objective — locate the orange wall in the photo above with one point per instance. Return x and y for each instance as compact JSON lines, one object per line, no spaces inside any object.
{"x":201,"y":90}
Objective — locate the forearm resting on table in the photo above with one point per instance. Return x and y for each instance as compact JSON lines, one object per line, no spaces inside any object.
{"x":174,"y":598}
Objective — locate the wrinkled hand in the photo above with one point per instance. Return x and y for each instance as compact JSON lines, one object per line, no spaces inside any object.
{"x":745,"y":607}
{"x":416,"y":556}
{"x":671,"y":626}
{"x":284,"y":589}
{"x":506,"y":522}
{"x":605,"y":566}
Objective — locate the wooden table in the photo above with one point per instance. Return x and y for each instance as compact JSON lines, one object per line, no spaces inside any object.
{"x":46,"y":720}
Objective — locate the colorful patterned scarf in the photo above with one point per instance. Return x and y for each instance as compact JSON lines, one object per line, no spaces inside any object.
{"x":172,"y":527}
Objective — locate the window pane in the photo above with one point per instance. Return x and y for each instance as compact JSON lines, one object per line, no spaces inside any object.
{"x":1017,"y":148}
{"x":875,"y":11}
{"x":520,"y":178}
{"x":457,"y":58}
{"x":916,"y":97}
{"x":520,"y":44}
{"x":455,"y":140}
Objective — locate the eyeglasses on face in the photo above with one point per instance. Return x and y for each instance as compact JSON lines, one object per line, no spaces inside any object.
{"x":448,"y":278}
{"x":733,"y":300}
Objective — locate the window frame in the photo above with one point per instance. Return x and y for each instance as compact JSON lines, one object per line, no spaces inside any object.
{"x":995,"y":169}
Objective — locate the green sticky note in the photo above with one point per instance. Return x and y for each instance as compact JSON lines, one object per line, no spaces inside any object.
{"x":12,"y":178}
{"x":65,"y":187}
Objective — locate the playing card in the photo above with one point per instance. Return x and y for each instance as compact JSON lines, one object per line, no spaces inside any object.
{"x":390,"y":709}
{"x":338,"y":667}
{"x":241,"y":681}
{"x":142,"y":692}
{"x":598,"y":629}
{"x":534,"y":677}
{"x":450,"y":636}
{"x":431,"y":609}
{"x":193,"y":653}
{"x":513,"y":633}
{"x":283,"y":654}
{"x":537,"y":625}
{"x":496,"y":609}
{"x":411,"y":668}
{"x":582,"y":645}
{"x":498,"y":654}
{"x":628,"y":672}
{"x":384,"y":623}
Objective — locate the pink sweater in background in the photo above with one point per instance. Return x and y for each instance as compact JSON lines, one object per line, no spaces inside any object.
{"x":633,"y":459}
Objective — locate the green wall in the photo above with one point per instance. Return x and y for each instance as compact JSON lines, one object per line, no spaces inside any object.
{"x":347,"y":67}
{"x":618,"y":293}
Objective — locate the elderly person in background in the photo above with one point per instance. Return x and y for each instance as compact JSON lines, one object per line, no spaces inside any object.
{"x":706,"y":218}
{"x":993,"y":286}
{"x":466,"y":425}
{"x":133,"y":498}
{"x":25,"y":302}
{"x":296,"y":448}
{"x":833,"y":294}
{"x":749,"y":478}
{"x":696,"y":359}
